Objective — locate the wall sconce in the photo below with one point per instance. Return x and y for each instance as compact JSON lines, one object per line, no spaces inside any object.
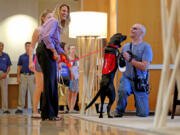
{"x":89,"y":28}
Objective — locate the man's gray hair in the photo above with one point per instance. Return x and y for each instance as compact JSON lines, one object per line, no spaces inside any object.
{"x":143,"y":30}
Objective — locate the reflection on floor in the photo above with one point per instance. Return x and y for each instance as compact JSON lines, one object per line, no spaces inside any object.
{"x":76,"y":124}
{"x":136,"y":123}
{"x":14,"y":124}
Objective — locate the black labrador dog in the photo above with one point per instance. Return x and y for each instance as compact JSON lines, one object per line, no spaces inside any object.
{"x":112,"y":58}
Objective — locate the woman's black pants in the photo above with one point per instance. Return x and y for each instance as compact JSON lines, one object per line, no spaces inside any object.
{"x":50,"y":94}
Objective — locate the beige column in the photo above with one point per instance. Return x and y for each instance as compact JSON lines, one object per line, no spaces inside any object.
{"x":113,"y":28}
{"x":113,"y":20}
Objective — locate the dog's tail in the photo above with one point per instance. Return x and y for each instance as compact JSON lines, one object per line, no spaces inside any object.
{"x":94,"y":99}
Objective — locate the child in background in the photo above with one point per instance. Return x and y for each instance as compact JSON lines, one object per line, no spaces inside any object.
{"x":74,"y":89}
{"x":65,"y":74}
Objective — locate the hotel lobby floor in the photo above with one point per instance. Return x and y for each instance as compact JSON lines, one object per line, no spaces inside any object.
{"x":72,"y":124}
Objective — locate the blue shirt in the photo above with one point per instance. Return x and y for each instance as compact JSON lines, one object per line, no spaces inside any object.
{"x":5,"y":62}
{"x":24,"y":62}
{"x":64,"y":70}
{"x":143,"y":52}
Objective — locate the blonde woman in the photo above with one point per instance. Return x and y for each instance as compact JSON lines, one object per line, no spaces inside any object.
{"x":74,"y":87}
{"x":35,"y":67}
{"x":48,"y":51}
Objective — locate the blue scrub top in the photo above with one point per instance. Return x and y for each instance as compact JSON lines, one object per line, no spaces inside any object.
{"x":24,"y":62}
{"x":5,"y":62}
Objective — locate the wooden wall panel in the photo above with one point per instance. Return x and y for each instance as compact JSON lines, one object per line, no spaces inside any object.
{"x":97,"y":5}
{"x":12,"y":96}
{"x":13,"y":93}
{"x":146,"y":12}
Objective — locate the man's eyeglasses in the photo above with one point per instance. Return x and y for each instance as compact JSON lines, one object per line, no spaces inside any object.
{"x":134,"y":28}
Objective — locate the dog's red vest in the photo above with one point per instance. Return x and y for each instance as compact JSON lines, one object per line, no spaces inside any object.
{"x":109,"y":62}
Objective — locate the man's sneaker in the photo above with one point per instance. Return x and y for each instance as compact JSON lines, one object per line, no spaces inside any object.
{"x":6,"y":112}
{"x":18,"y":111}
{"x":117,"y":115}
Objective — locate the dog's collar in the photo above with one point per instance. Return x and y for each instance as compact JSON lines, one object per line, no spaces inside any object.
{"x":114,"y":46}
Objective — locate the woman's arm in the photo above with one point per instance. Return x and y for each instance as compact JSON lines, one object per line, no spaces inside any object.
{"x":35,"y":38}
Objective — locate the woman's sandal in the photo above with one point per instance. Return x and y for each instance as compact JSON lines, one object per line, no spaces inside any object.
{"x":36,"y":116}
{"x":53,"y":119}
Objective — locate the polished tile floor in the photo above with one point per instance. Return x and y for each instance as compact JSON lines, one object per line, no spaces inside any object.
{"x":13,"y":124}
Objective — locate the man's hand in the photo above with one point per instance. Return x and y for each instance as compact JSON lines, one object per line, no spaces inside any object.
{"x":138,"y":64}
{"x":3,"y":76}
{"x":32,"y":66}
{"x":19,"y":80}
{"x":126,"y":56}
{"x":56,"y":56}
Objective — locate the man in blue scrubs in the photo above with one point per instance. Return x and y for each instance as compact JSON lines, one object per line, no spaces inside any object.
{"x":5,"y":64}
{"x":25,"y":78}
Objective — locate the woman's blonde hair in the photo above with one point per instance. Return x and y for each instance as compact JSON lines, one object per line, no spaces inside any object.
{"x":1,"y":43}
{"x":43,"y":15}
{"x":65,"y":23}
{"x":76,"y":56}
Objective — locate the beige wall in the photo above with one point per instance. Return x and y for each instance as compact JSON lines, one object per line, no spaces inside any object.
{"x":8,"y":9}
